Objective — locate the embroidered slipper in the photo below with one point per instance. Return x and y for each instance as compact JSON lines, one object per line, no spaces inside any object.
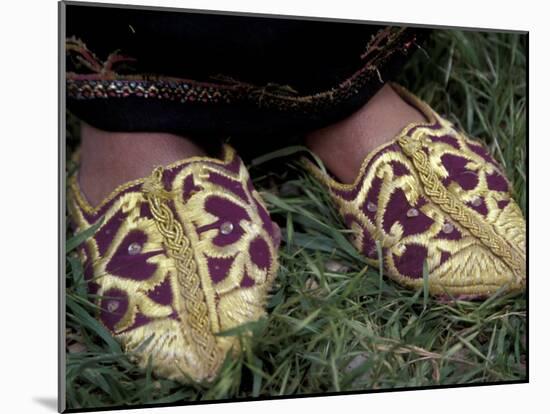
{"x":433,"y":195}
{"x":180,"y":256}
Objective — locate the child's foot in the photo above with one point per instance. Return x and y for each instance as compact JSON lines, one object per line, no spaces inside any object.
{"x":344,"y":145}
{"x":109,"y":159}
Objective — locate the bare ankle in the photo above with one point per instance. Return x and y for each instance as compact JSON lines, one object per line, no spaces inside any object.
{"x":109,"y":159}
{"x":344,"y":145}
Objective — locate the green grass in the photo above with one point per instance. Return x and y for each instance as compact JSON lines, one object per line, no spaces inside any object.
{"x":333,"y":323}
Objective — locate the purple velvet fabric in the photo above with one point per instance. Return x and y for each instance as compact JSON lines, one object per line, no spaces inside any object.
{"x":189,"y":187}
{"x":93,"y":287}
{"x":145,"y":211}
{"x":372,"y":197}
{"x":104,"y":236}
{"x":119,"y":299}
{"x":444,"y":257}
{"x":247,"y":281}
{"x":481,"y":209}
{"x":447,"y":139}
{"x":162,"y":294}
{"x":502,"y":204}
{"x":268,"y":225}
{"x":455,"y":234}
{"x":131,"y":262}
{"x":219,"y":267}
{"x":226,"y":211}
{"x":497,"y":182}
{"x":259,"y":253}
{"x":482,"y":152}
{"x":456,"y":167}
{"x":369,"y":246}
{"x":229,"y":185}
{"x":135,"y":267}
{"x":433,"y":126}
{"x":234,"y":165}
{"x":396,"y":211}
{"x":399,"y":169}
{"x":139,"y":320}
{"x":411,"y":262}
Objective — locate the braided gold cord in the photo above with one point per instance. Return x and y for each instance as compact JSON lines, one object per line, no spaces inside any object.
{"x":451,"y":205}
{"x":180,"y":249}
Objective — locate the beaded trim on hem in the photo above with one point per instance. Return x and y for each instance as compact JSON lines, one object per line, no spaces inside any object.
{"x":104,"y":82}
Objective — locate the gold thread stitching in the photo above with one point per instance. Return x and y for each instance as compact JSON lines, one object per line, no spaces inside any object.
{"x":451,"y":279}
{"x":437,"y":192}
{"x":190,"y":288}
{"x":174,"y":353}
{"x":195,"y":215}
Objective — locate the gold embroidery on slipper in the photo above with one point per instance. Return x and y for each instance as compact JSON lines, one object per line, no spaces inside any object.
{"x":135,"y":289}
{"x":469,"y":266}
{"x":165,"y":337}
{"x":193,"y":215}
{"x":190,"y":287}
{"x":446,"y":278}
{"x":162,"y":338}
{"x":449,"y":203}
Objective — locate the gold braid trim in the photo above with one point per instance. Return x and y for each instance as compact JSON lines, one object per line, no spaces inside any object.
{"x":451,"y":205}
{"x":180,"y":250}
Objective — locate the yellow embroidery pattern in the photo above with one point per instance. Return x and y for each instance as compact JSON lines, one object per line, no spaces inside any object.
{"x":439,"y":195}
{"x":180,"y":250}
{"x":486,"y":252}
{"x":180,"y":235}
{"x":235,"y":304}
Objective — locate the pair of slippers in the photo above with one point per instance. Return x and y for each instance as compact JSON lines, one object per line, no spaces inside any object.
{"x":191,"y":250}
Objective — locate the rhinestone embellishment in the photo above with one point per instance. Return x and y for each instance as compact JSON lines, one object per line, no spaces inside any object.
{"x":476,"y":202}
{"x":112,"y":305}
{"x":448,"y":228}
{"x":371,"y":207}
{"x":413,"y":212}
{"x":226,"y":227}
{"x":134,"y":248}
